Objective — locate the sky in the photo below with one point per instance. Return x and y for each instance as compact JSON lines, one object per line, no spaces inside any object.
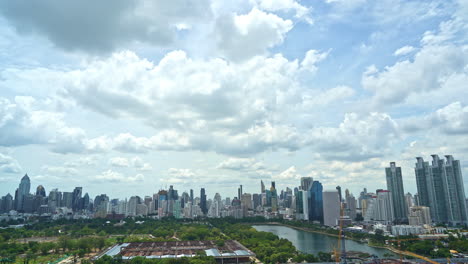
{"x":128,"y":97}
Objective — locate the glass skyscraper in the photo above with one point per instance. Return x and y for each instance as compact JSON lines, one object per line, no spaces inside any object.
{"x":440,"y":187}
{"x":395,"y":186}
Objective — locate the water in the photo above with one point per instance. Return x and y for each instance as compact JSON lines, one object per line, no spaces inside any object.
{"x":313,"y":243}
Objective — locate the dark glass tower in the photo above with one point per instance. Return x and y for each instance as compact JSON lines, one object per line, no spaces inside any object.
{"x":395,"y":186}
{"x":203,"y":206}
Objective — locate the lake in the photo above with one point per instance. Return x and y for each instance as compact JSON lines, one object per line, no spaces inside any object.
{"x":313,"y":243}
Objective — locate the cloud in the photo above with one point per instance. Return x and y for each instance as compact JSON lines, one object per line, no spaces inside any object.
{"x":404,"y":51}
{"x":430,"y":69}
{"x":119,"y":162}
{"x":59,"y":171}
{"x":180,"y":175}
{"x":312,"y":57}
{"x":357,"y":138}
{"x":24,"y":121}
{"x":116,"y":177}
{"x":288,"y":174}
{"x":246,"y":166}
{"x":242,"y":36}
{"x":451,"y":119}
{"x":100,"y":27}
{"x":9,"y":165}
{"x":301,"y":12}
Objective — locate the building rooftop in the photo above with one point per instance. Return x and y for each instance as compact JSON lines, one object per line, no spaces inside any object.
{"x":178,"y":249}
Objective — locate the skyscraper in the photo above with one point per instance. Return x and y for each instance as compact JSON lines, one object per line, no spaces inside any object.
{"x":440,"y":187}
{"x":76,"y":200}
{"x":262,"y":187}
{"x":316,"y":202}
{"x":306,"y":183}
{"x":203,"y":205}
{"x":40,"y":191}
{"x":395,"y":186}
{"x":23,"y":190}
{"x":331,"y":207}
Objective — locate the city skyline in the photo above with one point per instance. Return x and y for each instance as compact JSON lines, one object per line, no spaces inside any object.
{"x":129,"y":98}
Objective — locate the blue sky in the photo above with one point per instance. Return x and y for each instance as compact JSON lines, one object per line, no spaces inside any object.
{"x":125,"y":98}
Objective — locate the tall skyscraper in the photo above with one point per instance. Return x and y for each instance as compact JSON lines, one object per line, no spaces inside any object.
{"x":76,"y":200}
{"x":306,"y":183}
{"x":191,"y":195}
{"x":316,"y":202}
{"x":262,"y":187}
{"x":23,"y":190}
{"x":440,"y":187}
{"x":203,"y":205}
{"x":40,"y":191}
{"x":395,"y":186}
{"x":274,"y":197}
{"x":331,"y":207}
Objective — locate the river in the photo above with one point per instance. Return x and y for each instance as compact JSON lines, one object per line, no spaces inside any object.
{"x":313,"y":243}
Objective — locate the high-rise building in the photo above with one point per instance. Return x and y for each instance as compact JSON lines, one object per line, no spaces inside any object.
{"x":383,"y":207}
{"x":440,"y":187}
{"x":203,"y":205}
{"x":191,"y":195}
{"x":76,"y":200}
{"x":274,"y":198}
{"x":331,"y":207}
{"x":316,"y":202}
{"x":262,"y":187}
{"x":23,"y":190}
{"x":419,"y":215}
{"x":6,"y":203}
{"x":306,"y":183}
{"x":40,"y":191}
{"x":395,"y":186}
{"x":350,"y":205}
{"x":338,"y":189}
{"x":67,"y":199}
{"x":246,"y":201}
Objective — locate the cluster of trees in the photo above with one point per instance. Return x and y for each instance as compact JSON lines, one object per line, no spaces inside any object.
{"x":268,"y":247}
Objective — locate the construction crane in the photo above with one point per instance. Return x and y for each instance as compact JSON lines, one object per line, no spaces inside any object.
{"x":408,"y":253}
{"x":340,"y":257}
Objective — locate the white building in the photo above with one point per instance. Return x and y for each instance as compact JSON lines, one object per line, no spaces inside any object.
{"x":331,"y":207}
{"x":406,"y":230}
{"x":419,"y":215}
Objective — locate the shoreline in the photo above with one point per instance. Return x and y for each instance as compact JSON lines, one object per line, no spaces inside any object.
{"x":305,"y":229}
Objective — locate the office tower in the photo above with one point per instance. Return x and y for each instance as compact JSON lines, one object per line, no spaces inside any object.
{"x":239,"y":192}
{"x":6,"y":203}
{"x":440,"y":187}
{"x":419,"y":215}
{"x":246,"y":200}
{"x":262,"y":187}
{"x":191,"y":195}
{"x":395,"y":186}
{"x":256,"y":200}
{"x":409,"y":200}
{"x":23,"y":190}
{"x":86,"y":203}
{"x":383,"y":207}
{"x":76,"y":200}
{"x":274,"y":198}
{"x":331,"y":207}
{"x":55,"y":199}
{"x":338,"y":189}
{"x":306,"y":183}
{"x":350,"y":205}
{"x":316,"y":202}
{"x":305,"y":204}
{"x":203,"y":205}
{"x":299,"y":205}
{"x":132,"y":206}
{"x":40,"y":191}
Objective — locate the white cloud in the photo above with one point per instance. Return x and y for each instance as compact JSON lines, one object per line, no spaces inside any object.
{"x":288,"y":174}
{"x":240,"y":37}
{"x":119,"y":162}
{"x":430,"y":69}
{"x":301,"y":12}
{"x":59,"y":171}
{"x":356,"y":138}
{"x":180,"y":175}
{"x":113,"y":176}
{"x":404,"y":50}
{"x":9,"y":164}
{"x":312,"y":57}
